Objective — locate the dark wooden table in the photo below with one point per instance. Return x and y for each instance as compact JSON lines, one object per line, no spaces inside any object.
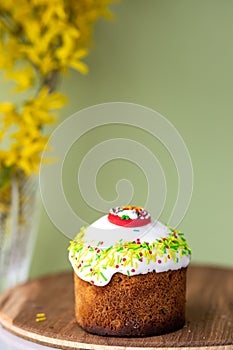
{"x":208,"y":321}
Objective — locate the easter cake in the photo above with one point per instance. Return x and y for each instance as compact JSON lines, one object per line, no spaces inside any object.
{"x":129,"y":275}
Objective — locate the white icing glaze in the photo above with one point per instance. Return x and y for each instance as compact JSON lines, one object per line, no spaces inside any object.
{"x":102,"y":235}
{"x":108,"y":233}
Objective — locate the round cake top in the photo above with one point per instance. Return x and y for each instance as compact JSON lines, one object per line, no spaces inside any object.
{"x":126,"y":241}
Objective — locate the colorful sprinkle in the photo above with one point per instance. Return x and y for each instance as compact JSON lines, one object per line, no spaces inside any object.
{"x":103,"y":276}
{"x":40,"y":317}
{"x":92,"y":261}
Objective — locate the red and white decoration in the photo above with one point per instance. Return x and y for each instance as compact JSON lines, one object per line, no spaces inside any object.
{"x":129,"y":216}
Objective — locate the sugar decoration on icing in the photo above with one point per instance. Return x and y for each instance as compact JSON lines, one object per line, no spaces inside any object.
{"x":103,"y":249}
{"x":129,"y":216}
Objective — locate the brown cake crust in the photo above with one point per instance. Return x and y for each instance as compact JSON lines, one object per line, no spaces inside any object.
{"x":140,"y":305}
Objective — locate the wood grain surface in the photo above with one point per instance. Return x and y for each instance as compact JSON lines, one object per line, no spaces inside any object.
{"x":208,"y":318}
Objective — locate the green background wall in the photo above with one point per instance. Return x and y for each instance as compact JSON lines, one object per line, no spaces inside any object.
{"x":174,"y":56}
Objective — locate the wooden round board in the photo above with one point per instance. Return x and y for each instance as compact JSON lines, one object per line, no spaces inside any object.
{"x":209,"y":315}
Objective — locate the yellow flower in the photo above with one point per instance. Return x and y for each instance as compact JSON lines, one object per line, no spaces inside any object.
{"x":8,"y":116}
{"x":7,"y":107}
{"x":40,"y":39}
{"x":8,"y":54}
{"x":29,"y":156}
{"x":48,"y":101}
{"x":76,"y":63}
{"x":36,"y":118}
{"x":26,"y":151}
{"x":20,"y":10}
{"x":57,"y":10}
{"x":23,"y":77}
{"x":7,"y":4}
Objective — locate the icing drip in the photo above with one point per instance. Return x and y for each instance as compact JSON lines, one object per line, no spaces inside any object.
{"x":103,"y":249}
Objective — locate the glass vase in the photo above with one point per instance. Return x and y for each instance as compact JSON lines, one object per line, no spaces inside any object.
{"x":19,"y":207}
